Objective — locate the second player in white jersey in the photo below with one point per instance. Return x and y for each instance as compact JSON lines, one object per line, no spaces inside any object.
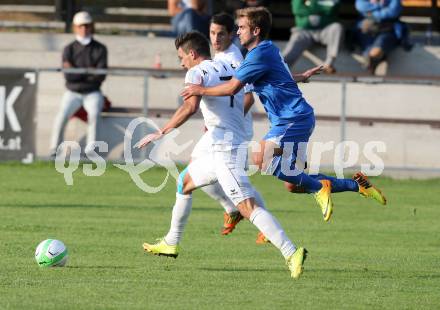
{"x":233,"y":56}
{"x":221,"y":32}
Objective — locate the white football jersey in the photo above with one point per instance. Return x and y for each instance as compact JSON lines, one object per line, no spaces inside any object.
{"x":233,"y":56}
{"x":222,"y":114}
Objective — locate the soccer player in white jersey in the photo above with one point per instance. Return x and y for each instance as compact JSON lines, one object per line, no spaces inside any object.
{"x":224,"y":119}
{"x":221,"y":33}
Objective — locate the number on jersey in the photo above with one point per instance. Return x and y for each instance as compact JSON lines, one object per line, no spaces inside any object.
{"x":227,"y":78}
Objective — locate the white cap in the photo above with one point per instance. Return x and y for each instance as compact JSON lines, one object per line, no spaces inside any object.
{"x":82,"y":18}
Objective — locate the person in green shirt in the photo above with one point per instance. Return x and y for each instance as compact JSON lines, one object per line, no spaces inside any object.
{"x":316,"y":23}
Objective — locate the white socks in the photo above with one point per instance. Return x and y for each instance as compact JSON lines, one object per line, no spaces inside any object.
{"x":179,"y":218}
{"x":273,"y":231}
{"x":260,"y":217}
{"x":216,"y":192}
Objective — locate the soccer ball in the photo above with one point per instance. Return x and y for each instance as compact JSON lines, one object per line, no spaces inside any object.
{"x":51,"y":253}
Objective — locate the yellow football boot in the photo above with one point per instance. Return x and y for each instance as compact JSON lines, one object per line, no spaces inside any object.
{"x":295,"y":262}
{"x":367,"y":189}
{"x":324,"y":199}
{"x":161,"y":248}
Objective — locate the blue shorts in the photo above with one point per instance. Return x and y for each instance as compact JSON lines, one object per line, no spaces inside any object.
{"x":297,"y":131}
{"x":293,"y":139}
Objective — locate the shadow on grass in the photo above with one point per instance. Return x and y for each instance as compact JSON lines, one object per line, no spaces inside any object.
{"x":88,"y":206}
{"x":100,"y":267}
{"x":214,"y":207}
{"x":427,"y":276}
{"x":241,"y":269}
{"x":308,"y":270}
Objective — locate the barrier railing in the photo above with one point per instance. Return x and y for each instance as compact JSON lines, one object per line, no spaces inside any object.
{"x":342,"y":79}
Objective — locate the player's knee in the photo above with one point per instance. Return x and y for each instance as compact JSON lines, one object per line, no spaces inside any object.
{"x":246,"y":207}
{"x":181,"y":188}
{"x":292,"y":188}
{"x":245,"y":212}
{"x":187,"y":189}
{"x":185,"y":185}
{"x":289,"y":187}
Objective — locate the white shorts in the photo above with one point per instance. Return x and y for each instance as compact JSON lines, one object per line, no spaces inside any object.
{"x":218,"y":164}
{"x":206,"y":145}
{"x":203,"y":147}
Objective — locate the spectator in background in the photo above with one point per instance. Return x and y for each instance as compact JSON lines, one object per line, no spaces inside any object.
{"x":379,"y":31}
{"x":315,"y":23}
{"x":253,"y":3}
{"x":189,"y":15}
{"x":230,"y":6}
{"x":82,"y":89}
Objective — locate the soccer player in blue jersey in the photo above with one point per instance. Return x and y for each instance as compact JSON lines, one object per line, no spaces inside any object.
{"x":282,"y":150}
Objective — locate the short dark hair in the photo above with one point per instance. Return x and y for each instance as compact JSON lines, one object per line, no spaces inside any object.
{"x":193,"y":40}
{"x":258,"y":17}
{"x":224,"y":19}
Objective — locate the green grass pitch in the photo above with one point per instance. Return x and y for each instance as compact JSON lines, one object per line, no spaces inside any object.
{"x":367,"y":257}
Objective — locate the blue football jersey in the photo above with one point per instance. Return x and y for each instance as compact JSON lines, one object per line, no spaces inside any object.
{"x":265,"y":68}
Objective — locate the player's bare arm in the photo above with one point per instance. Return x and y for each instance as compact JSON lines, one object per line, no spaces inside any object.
{"x":228,"y":88}
{"x":182,"y":114}
{"x":248,"y":102}
{"x":305,"y":76}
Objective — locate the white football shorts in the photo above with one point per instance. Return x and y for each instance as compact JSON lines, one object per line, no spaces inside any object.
{"x":225,"y":167}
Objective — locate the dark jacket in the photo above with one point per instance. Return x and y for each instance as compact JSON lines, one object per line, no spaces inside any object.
{"x":92,"y":55}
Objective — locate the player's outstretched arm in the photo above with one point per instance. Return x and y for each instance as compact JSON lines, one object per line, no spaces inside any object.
{"x":228,"y":88}
{"x":182,"y":114}
{"x":305,"y":76}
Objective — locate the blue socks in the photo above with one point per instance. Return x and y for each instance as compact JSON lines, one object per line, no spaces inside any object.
{"x":338,"y":185}
{"x":310,"y":183}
